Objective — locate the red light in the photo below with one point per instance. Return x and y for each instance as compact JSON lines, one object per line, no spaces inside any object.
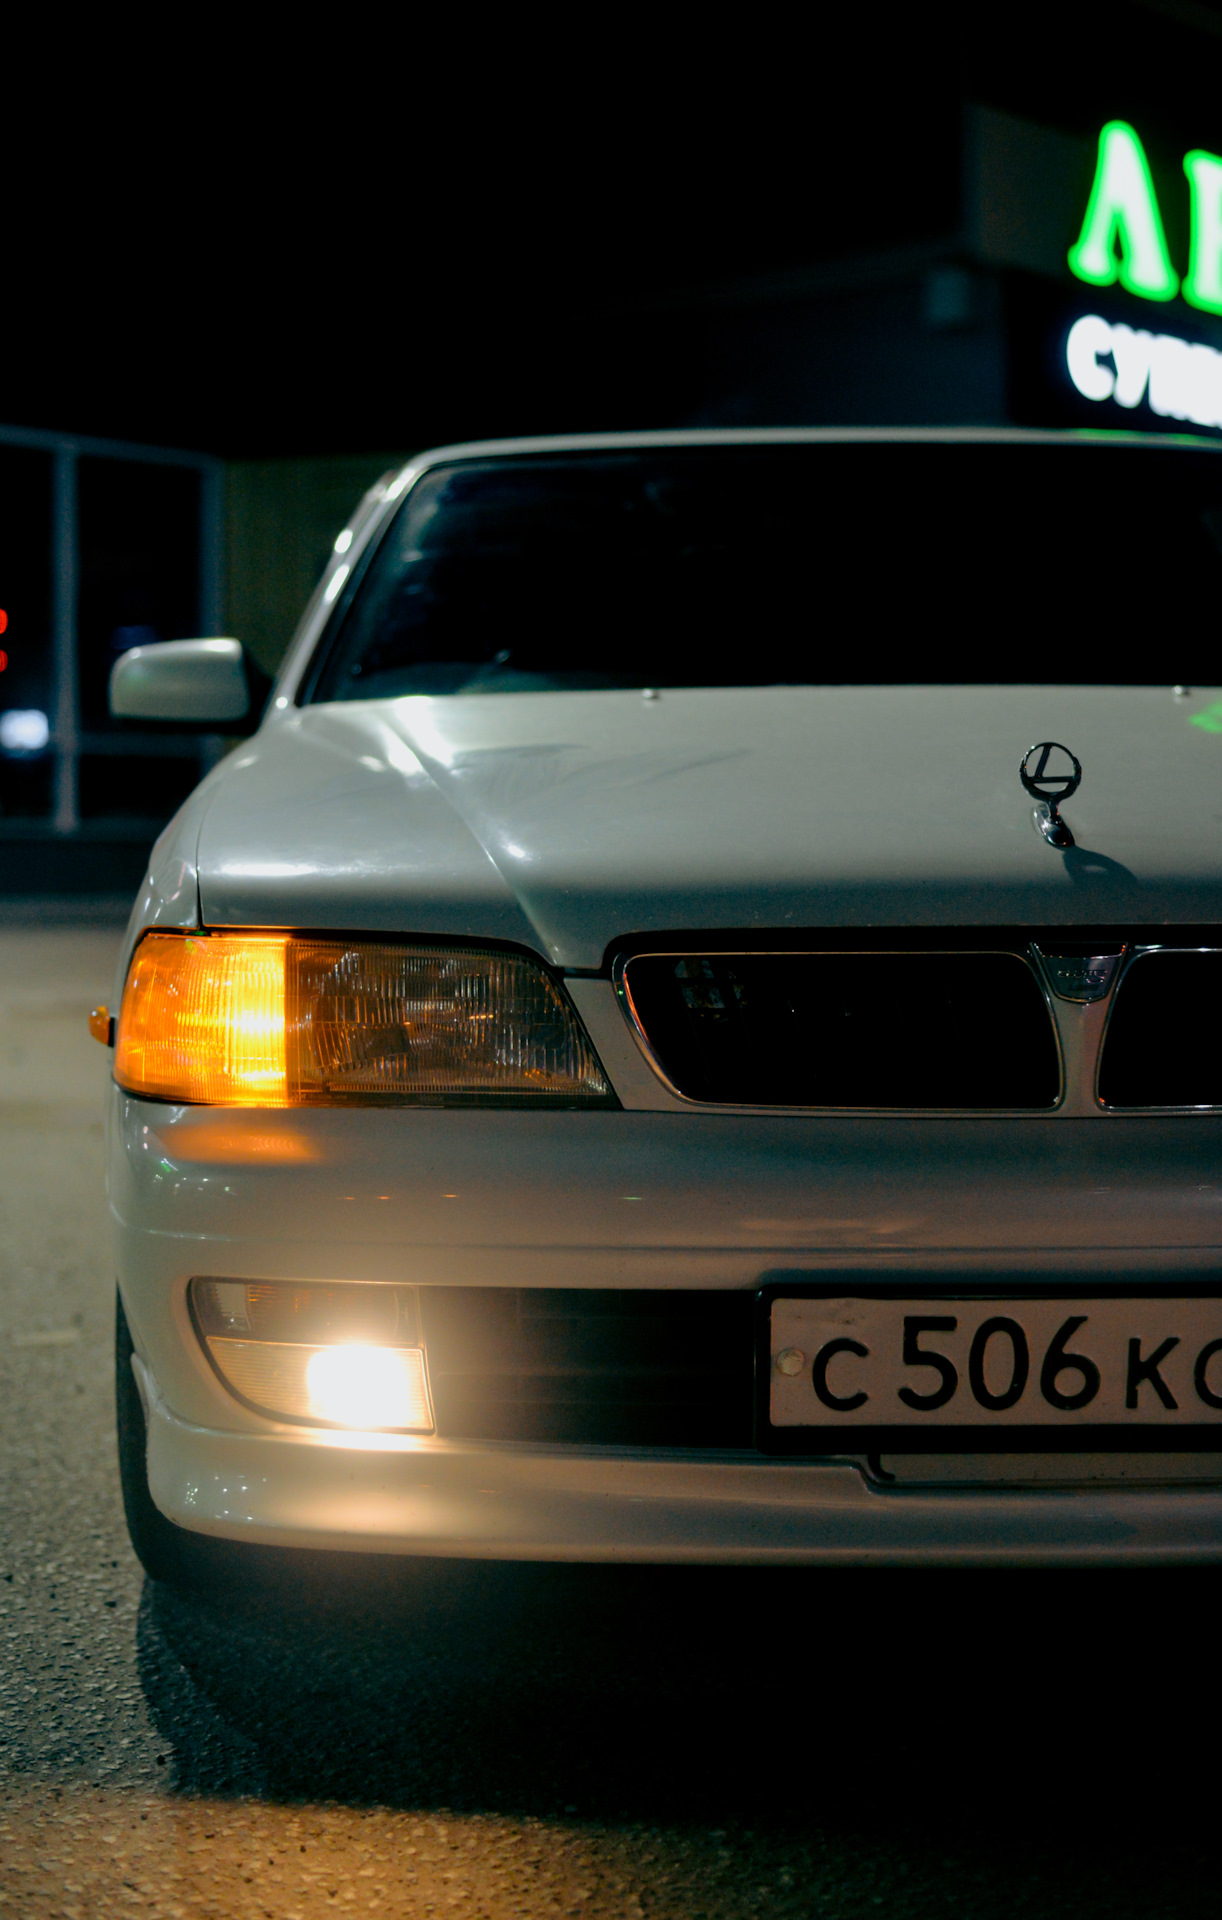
{"x":3,"y":659}
{"x":3,"y":620}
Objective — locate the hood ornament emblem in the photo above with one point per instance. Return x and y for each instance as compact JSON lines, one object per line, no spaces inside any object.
{"x":1050,"y":773}
{"x":1077,"y":974}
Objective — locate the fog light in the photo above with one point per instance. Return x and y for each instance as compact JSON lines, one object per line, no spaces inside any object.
{"x":368,"y":1386}
{"x":335,"y":1355}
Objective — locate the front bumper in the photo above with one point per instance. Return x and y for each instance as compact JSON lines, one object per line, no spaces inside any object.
{"x":631,"y":1199}
{"x":380,"y":1493}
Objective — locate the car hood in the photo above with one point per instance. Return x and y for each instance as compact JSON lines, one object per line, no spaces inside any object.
{"x":568,"y":821}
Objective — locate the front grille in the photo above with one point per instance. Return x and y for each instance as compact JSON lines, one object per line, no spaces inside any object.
{"x":1164,"y":1040}
{"x":901,"y":1030}
{"x":608,"y":1366}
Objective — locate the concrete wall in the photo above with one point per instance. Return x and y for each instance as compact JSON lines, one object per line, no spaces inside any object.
{"x":281,"y":517}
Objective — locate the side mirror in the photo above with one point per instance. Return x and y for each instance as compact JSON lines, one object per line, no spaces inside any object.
{"x":197,"y":682}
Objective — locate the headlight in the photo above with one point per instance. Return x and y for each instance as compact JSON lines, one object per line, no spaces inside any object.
{"x":340,"y":1356}
{"x":275,"y":1020}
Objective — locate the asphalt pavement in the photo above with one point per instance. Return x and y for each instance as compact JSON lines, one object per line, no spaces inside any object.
{"x":408,"y":1738}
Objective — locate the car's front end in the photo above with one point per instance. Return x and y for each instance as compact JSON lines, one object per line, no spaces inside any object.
{"x":588,"y":1113}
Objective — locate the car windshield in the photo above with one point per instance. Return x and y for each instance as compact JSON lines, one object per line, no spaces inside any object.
{"x":757,"y":565}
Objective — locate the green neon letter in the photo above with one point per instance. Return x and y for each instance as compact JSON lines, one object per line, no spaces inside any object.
{"x":1122,"y":235}
{"x":1203,"y":287}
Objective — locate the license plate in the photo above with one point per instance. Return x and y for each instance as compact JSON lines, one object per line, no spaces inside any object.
{"x":876,"y":1368}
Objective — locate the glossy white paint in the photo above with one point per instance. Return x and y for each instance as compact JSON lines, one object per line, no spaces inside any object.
{"x":328,"y":818}
{"x":392,"y":1495}
{"x":200,"y":682}
{"x":569,"y":820}
{"x":630,"y":1199}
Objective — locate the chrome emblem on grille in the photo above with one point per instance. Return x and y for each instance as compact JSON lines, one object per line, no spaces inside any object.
{"x":1050,"y":773}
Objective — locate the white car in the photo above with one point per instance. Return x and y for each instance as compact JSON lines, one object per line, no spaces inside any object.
{"x":692,"y":1031}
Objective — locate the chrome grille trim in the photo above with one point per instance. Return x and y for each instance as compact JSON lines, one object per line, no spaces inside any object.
{"x":1080,"y":1026}
{"x":1139,"y":951}
{"x":706,"y":950}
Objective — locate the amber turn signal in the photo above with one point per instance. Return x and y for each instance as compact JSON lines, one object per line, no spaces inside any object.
{"x":277,"y":1020}
{"x":101,"y":1026}
{"x":203,"y":1020}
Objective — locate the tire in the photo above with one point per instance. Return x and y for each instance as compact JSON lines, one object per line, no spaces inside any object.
{"x":165,"y":1551}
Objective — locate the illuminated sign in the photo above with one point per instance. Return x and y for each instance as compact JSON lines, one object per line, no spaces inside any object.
{"x":1179,"y":379}
{"x":1122,"y":238}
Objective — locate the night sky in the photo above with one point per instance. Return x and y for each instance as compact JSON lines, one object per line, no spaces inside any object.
{"x":390,"y":237}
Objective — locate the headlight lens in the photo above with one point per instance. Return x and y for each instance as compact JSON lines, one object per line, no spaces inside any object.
{"x":273,"y":1020}
{"x":343,"y":1356}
